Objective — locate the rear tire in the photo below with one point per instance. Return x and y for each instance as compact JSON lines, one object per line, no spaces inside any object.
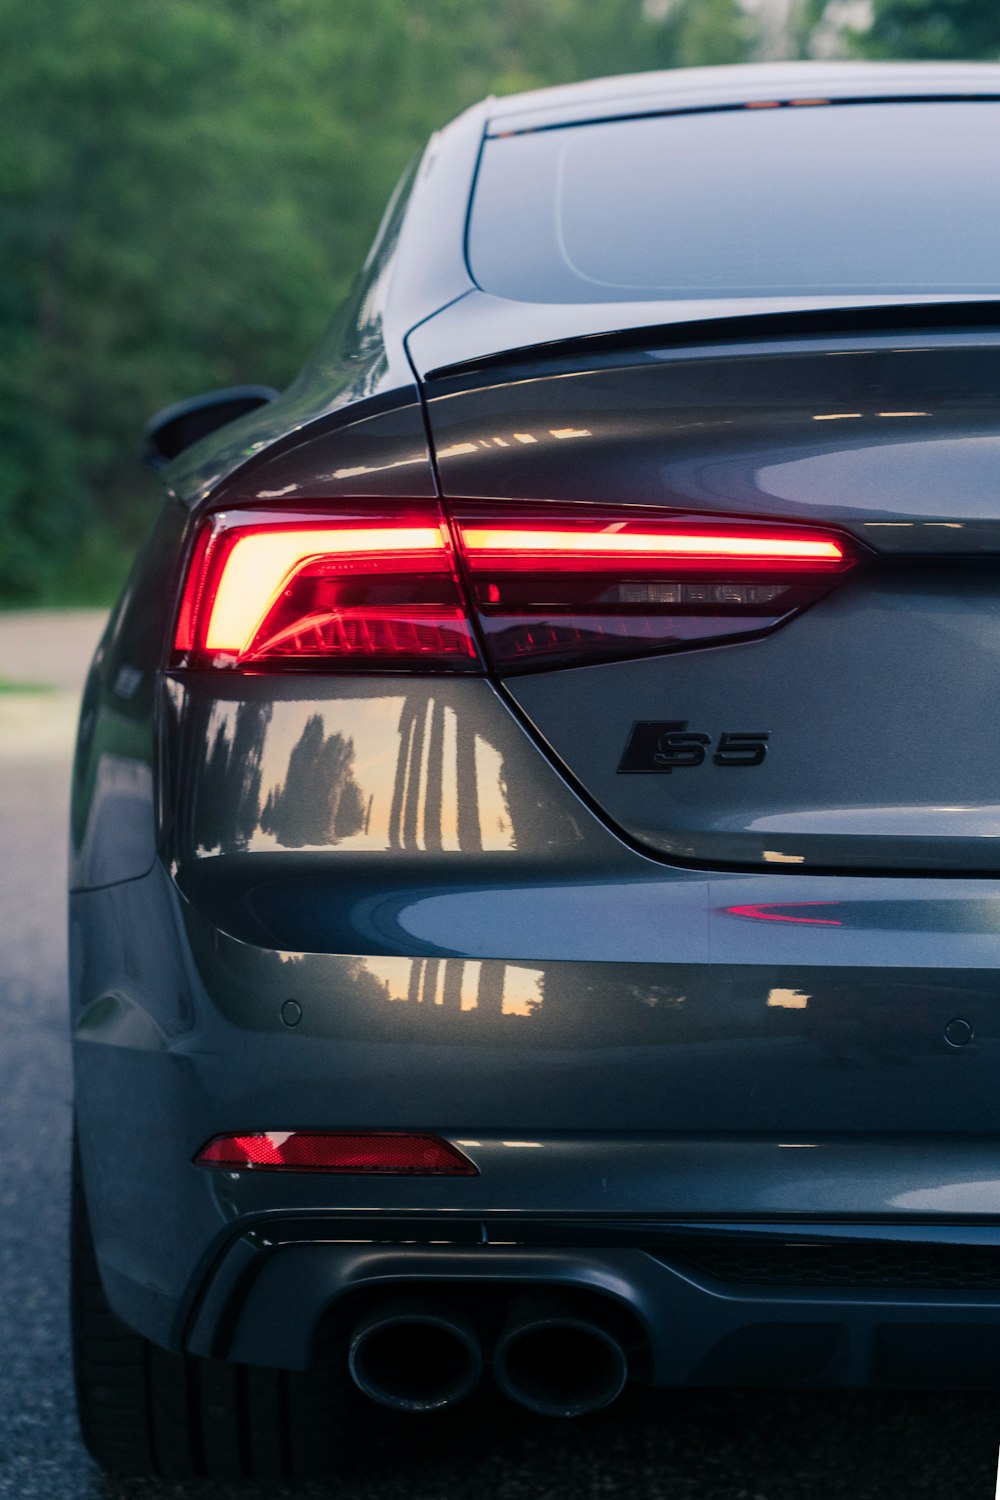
{"x":144,"y":1411}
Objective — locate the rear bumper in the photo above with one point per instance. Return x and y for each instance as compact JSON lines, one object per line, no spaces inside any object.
{"x":695,"y":1326}
{"x":613,"y":1105}
{"x":865,"y":1261}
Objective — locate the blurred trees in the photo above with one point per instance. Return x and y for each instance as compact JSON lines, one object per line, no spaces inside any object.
{"x":918,"y":29}
{"x":933,"y":28}
{"x":187,"y":187}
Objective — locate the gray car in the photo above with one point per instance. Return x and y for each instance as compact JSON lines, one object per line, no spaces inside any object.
{"x":535,"y":903}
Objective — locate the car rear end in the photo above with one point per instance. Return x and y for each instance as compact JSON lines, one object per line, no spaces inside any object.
{"x":571,"y":934}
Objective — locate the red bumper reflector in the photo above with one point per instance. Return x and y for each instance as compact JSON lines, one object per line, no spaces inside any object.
{"x":336,"y":1151}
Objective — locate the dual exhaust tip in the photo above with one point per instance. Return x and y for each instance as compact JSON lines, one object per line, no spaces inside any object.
{"x":417,"y":1356}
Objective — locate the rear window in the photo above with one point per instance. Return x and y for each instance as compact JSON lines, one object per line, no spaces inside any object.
{"x":849,"y":198}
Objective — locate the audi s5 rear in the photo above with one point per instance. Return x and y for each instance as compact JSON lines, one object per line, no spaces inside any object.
{"x":535,"y":908}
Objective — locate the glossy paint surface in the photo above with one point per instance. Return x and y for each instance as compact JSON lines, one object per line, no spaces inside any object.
{"x":892,"y":436}
{"x":113,"y":830}
{"x":806,"y":1070}
{"x":845,"y":783}
{"x":392,"y":765}
{"x":378,"y":449}
{"x":893,"y":440}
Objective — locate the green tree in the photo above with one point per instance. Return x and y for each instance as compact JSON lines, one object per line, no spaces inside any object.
{"x":924,"y":29}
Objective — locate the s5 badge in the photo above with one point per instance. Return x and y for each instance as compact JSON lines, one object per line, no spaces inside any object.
{"x":665,"y":745}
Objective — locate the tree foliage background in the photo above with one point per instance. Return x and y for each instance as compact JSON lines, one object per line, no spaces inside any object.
{"x":187,"y":187}
{"x":929,"y":29}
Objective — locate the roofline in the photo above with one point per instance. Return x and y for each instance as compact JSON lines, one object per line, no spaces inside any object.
{"x":692,"y":89}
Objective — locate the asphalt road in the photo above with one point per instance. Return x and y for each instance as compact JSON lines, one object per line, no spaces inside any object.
{"x":706,"y":1445}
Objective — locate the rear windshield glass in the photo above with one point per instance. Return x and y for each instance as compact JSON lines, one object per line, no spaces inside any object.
{"x":855,"y":198}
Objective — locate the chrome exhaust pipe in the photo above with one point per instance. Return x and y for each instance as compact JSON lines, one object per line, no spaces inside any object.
{"x":415,"y":1355}
{"x":557,"y":1361}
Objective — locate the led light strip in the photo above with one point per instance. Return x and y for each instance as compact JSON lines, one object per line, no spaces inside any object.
{"x":502,"y":540}
{"x":262,"y":564}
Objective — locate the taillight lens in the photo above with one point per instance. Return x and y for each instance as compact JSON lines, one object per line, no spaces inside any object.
{"x":379,"y":589}
{"x":566,"y":585}
{"x":346,"y":592}
{"x":341,"y":1151}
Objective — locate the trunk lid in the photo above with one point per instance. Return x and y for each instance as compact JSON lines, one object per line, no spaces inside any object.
{"x":863,"y":732}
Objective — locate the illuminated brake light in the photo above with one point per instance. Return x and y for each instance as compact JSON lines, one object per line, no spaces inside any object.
{"x":362,"y":592}
{"x":390,"y":587}
{"x":567,"y":585}
{"x":349,"y":1152}
{"x":519,"y":546}
{"x":261,"y":564}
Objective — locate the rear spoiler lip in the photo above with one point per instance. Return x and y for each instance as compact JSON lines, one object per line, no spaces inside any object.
{"x":487,"y":321}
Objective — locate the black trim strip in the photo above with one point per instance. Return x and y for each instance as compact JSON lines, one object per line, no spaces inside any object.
{"x":639,"y":1232}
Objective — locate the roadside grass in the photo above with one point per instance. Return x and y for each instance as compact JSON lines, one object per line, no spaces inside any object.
{"x":6,"y":686}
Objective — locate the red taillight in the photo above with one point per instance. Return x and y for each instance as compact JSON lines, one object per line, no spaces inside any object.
{"x":522,"y":548}
{"x":363,"y":591}
{"x":378,"y":589}
{"x":336,"y":1151}
{"x":570,"y":585}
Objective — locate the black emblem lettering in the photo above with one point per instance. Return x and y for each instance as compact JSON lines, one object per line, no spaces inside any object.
{"x":665,"y":745}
